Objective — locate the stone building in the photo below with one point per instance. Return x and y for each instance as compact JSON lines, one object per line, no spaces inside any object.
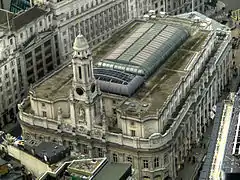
{"x":28,"y":51}
{"x":98,"y":19}
{"x":146,"y":102}
{"x":35,"y":42}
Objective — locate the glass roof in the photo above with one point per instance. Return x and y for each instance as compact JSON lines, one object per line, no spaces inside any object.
{"x":117,"y":82}
{"x":146,"y":49}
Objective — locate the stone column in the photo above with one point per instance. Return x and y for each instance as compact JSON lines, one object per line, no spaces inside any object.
{"x":75,"y":147}
{"x":90,"y":151}
{"x":34,"y":66}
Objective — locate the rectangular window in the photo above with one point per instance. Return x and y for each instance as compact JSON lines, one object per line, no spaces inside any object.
{"x":115,"y":158}
{"x":145,"y":163}
{"x":44,"y":113}
{"x":133,"y":133}
{"x":80,"y":72}
{"x":156,"y":162}
{"x":100,"y":152}
{"x":129,"y":159}
{"x":85,"y":150}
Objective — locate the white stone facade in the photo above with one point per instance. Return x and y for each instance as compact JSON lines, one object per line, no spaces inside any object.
{"x":96,"y":20}
{"x":15,"y":69}
{"x":156,"y":143}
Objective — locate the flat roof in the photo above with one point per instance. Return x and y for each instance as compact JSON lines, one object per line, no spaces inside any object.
{"x":153,"y":92}
{"x":86,"y":167}
{"x":113,"y":171}
{"x":56,"y":86}
{"x":231,"y":163}
{"x":161,"y":84}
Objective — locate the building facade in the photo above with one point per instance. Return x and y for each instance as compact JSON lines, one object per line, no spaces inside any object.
{"x":37,"y":41}
{"x":152,"y":125}
{"x":98,"y":19}
{"x":22,"y":35}
{"x":40,"y":44}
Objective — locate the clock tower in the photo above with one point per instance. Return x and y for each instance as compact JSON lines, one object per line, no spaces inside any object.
{"x":85,"y":93}
{"x":84,"y":83}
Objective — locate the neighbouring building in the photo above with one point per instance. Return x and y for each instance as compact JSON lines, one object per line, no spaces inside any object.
{"x":230,"y":168}
{"x":35,"y":156}
{"x":36,"y":41}
{"x":147,"y":101}
{"x":95,"y":169}
{"x":28,"y":51}
{"x":19,"y":5}
{"x":98,"y":19}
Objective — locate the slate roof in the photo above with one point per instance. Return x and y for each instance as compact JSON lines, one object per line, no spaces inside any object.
{"x":27,"y":17}
{"x":17,"y":21}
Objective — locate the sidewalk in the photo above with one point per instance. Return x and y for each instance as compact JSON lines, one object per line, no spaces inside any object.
{"x":191,"y":169}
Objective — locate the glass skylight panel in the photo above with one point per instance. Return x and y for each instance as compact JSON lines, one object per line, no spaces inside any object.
{"x":131,"y":40}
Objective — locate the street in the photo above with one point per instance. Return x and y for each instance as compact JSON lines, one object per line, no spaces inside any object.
{"x":231,"y":4}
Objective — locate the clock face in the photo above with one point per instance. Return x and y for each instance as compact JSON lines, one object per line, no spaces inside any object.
{"x":93,"y":87}
{"x":79,"y":91}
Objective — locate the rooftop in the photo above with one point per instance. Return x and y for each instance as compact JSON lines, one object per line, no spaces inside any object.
{"x":85,"y":167}
{"x":113,"y":171}
{"x":231,"y":161}
{"x":96,"y":169}
{"x":45,"y":151}
{"x":17,"y":21}
{"x":160,"y":82}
